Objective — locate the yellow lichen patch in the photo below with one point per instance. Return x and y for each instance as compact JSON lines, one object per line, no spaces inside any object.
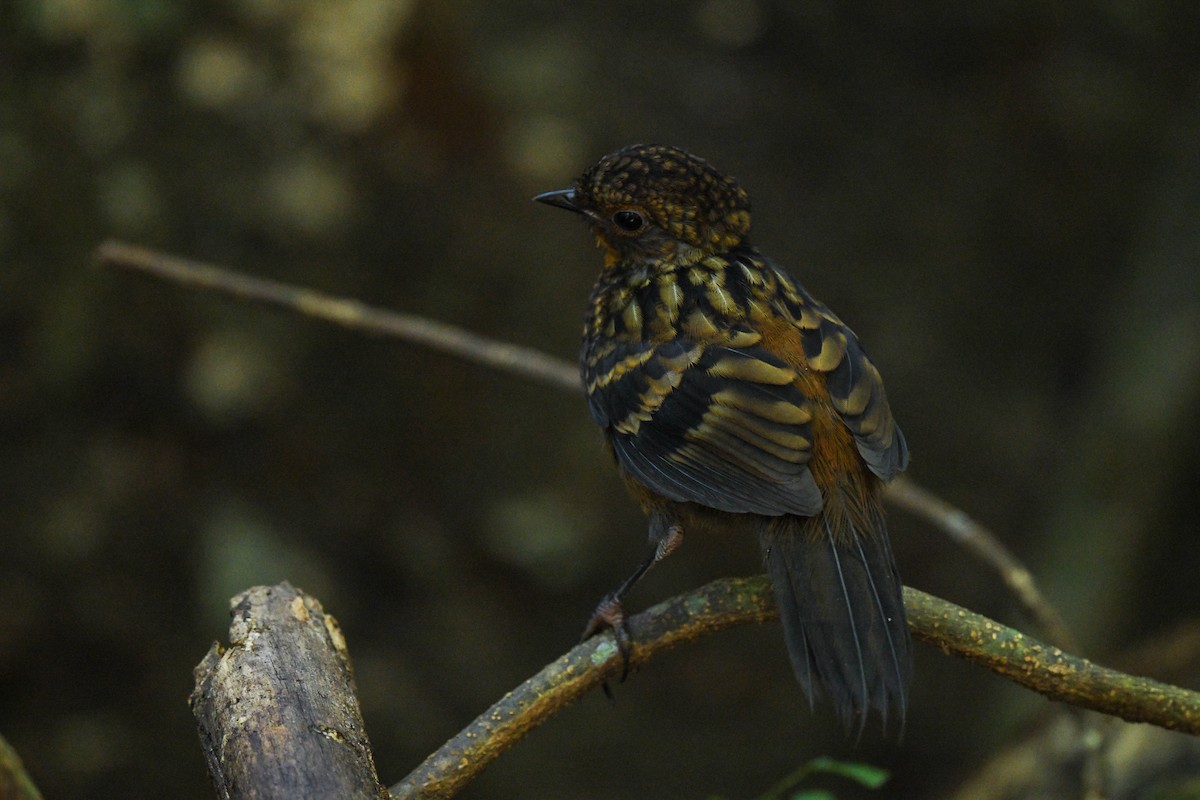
{"x":331,"y":733}
{"x":298,"y":609}
{"x":334,"y":632}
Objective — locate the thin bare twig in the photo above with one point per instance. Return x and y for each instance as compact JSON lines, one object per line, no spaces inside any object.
{"x":349,"y":314}
{"x":730,"y":602}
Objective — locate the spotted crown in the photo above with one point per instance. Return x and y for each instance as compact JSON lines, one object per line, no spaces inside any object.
{"x":678,"y":192}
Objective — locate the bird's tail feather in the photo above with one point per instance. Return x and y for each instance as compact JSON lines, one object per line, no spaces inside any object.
{"x":842,"y":611}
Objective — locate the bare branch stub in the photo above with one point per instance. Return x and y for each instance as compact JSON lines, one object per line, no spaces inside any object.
{"x":277,"y":712}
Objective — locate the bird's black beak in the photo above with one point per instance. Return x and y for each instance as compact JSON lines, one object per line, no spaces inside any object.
{"x":560,"y":198}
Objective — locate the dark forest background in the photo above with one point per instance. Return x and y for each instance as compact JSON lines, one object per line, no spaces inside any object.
{"x":1002,"y":199}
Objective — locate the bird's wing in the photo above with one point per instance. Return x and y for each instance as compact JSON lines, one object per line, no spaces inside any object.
{"x":855,"y":387}
{"x":722,"y":425}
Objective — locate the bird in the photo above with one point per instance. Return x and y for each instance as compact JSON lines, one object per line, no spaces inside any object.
{"x":731,"y":399}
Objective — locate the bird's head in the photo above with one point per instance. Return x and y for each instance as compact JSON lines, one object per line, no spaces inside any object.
{"x":654,"y":203}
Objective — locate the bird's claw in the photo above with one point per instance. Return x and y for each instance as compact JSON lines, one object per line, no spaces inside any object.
{"x":610,"y":614}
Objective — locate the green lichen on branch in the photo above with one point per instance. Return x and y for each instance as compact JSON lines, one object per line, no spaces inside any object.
{"x":1049,"y":670}
{"x":717,"y":606}
{"x":738,"y":601}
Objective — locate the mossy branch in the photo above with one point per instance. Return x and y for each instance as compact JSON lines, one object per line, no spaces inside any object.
{"x":738,"y":601}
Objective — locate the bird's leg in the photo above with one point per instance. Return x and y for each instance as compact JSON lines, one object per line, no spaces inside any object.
{"x":666,"y":536}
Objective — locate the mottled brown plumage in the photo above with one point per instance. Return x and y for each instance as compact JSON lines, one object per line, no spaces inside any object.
{"x":730,"y":396}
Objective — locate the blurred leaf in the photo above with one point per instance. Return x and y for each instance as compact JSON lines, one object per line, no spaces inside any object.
{"x":15,"y":784}
{"x":1183,"y":790}
{"x":869,"y":776}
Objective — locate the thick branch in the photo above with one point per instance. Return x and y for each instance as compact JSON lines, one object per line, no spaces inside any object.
{"x":715,"y":607}
{"x":277,"y":712}
{"x":1048,"y":670}
{"x":737,"y":601}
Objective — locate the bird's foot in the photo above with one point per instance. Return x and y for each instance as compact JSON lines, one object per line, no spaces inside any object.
{"x":611,"y":614}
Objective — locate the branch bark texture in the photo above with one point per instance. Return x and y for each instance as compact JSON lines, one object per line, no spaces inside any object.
{"x":277,"y":712}
{"x":717,"y":606}
{"x":737,"y":601}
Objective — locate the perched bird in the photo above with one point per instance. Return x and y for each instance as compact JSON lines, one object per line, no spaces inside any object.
{"x":731,"y":398}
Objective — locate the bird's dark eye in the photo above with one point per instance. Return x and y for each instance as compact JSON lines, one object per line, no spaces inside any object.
{"x":628,"y":221}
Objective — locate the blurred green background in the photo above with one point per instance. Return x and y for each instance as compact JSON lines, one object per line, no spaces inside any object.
{"x":1002,"y":199}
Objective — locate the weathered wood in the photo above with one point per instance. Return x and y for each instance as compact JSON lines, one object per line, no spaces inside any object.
{"x":277,"y":712}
